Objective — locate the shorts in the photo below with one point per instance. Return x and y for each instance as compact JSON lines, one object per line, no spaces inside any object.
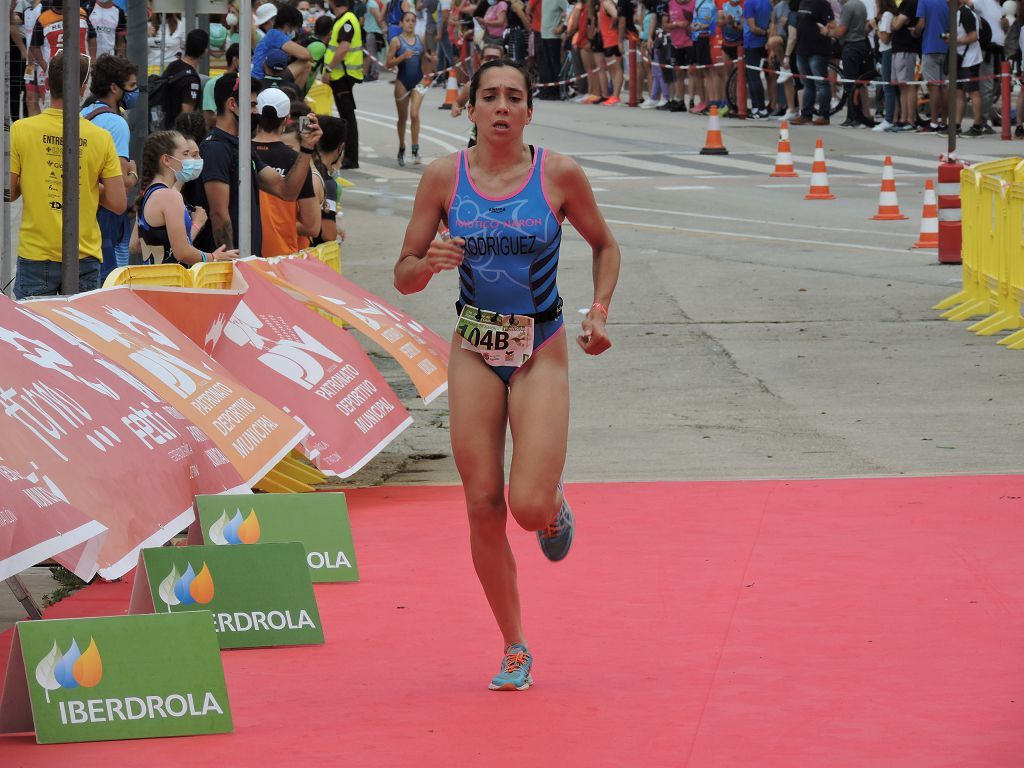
{"x":682,"y":57}
{"x":973,"y":85}
{"x":732,"y":51}
{"x":904,"y":64}
{"x":613,"y":52}
{"x":596,"y":43}
{"x":702,"y":52}
{"x":933,"y":66}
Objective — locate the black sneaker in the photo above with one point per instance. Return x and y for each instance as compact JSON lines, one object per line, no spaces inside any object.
{"x":677,"y":107}
{"x":973,"y":132}
{"x":556,"y":539}
{"x":668,"y":107}
{"x":987,"y":129}
{"x":401,"y":157}
{"x":1018,"y":132}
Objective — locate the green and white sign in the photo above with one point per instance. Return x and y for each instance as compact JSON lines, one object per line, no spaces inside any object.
{"x":259,"y":595}
{"x":318,"y":520}
{"x":116,"y":677}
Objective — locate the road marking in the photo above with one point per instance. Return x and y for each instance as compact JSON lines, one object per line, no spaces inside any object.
{"x":681,"y":189}
{"x":737,"y":235}
{"x":734,"y":219}
{"x":462,"y":137}
{"x":932,"y":165}
{"x":643,"y":165}
{"x":721,"y":161}
{"x":392,"y":122}
{"x":860,"y":168}
{"x":599,"y":173}
{"x":782,"y":186}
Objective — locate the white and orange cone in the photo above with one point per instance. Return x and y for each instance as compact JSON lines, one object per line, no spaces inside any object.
{"x":784,"y":157}
{"x":451,"y":90}
{"x":713,"y":142}
{"x":888,"y":205}
{"x":819,"y":176}
{"x":929,"y":235}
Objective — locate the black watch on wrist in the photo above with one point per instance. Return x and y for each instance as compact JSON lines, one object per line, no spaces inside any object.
{"x":305,"y":150}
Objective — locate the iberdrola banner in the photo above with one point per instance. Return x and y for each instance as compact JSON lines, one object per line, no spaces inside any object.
{"x":421,"y":352}
{"x":81,"y":432}
{"x":287,"y":353}
{"x":252,"y":432}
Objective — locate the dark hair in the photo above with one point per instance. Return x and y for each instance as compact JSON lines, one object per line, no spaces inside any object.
{"x":191,"y":125}
{"x":408,"y":13}
{"x":196,"y":43}
{"x":887,"y":5}
{"x":323,"y":26}
{"x":157,"y":145}
{"x":288,"y":16}
{"x":299,"y":108}
{"x":231,"y":53}
{"x":269,"y":121}
{"x":110,"y":70}
{"x":55,"y":73}
{"x":474,"y":84}
{"x":226,"y":87}
{"x":334,"y":130}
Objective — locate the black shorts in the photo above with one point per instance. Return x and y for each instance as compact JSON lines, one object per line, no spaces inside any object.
{"x":682,"y":57}
{"x":613,"y":52}
{"x":596,"y":43}
{"x":702,"y":52}
{"x":973,"y":85}
{"x":732,"y":51}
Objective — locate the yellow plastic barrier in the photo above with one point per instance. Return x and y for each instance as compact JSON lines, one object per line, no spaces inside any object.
{"x":992,"y":205}
{"x":168,"y":275}
{"x":212,"y":275}
{"x":321,"y":99}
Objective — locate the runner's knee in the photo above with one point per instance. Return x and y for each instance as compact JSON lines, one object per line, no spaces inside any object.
{"x":486,"y":510}
{"x":532,"y":508}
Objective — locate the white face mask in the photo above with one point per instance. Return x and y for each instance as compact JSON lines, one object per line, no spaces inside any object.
{"x":231,"y":19}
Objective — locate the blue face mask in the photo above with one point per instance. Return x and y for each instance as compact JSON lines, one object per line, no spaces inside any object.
{"x":190,"y":169}
{"x":130,"y":98}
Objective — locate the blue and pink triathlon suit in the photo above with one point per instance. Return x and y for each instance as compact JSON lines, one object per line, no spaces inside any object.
{"x":510,"y":262}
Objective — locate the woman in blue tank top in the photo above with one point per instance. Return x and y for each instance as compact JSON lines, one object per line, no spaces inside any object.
{"x":407,"y":51}
{"x":503,"y":203}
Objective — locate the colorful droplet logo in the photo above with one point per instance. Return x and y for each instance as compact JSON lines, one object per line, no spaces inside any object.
{"x":70,"y":669}
{"x":186,"y":588}
{"x":236,"y":530}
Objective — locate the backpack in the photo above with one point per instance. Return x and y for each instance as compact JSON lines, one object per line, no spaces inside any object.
{"x":984,"y":33}
{"x":159,"y":89}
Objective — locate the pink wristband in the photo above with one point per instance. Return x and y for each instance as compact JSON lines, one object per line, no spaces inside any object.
{"x":600,"y":306}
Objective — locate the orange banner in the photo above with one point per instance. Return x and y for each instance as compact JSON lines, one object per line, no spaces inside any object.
{"x":253,"y":433}
{"x":421,"y":352}
{"x":79,"y":431}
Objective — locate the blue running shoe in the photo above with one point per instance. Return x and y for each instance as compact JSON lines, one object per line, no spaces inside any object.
{"x":556,"y":539}
{"x":515,"y":670}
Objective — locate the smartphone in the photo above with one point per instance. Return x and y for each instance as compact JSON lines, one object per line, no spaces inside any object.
{"x":304,"y":124}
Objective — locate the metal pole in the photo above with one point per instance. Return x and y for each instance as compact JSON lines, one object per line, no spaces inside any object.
{"x":951,"y":97}
{"x":245,"y":212}
{"x":7,"y":258}
{"x":138,"y":118}
{"x":190,"y":16}
{"x":69,"y":197}
{"x":23,"y":596}
{"x":204,"y":63}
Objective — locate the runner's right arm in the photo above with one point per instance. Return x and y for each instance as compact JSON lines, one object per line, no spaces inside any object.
{"x":423,"y":253}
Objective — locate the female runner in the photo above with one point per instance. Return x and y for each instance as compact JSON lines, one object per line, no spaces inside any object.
{"x":407,"y":51}
{"x":503,"y":203}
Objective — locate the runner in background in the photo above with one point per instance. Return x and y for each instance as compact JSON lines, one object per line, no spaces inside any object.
{"x":407,"y":52}
{"x":524,"y":384}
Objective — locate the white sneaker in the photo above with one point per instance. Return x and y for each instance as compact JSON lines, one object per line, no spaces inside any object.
{"x":649,"y":104}
{"x":784,"y":75}
{"x":581,"y":98}
{"x":791,"y":115}
{"x":882,"y":126}
{"x":662,"y":103}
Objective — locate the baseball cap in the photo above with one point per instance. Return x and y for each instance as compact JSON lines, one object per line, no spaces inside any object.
{"x":276,"y":99}
{"x":265,"y":13}
{"x":276,"y":60}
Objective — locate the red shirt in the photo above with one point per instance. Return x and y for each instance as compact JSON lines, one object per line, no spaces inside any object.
{"x":534,"y":7}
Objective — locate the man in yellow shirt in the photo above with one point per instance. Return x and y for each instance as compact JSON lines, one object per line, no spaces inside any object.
{"x":37,"y":177}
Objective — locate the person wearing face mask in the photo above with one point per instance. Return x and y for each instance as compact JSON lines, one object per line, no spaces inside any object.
{"x":219,"y":182}
{"x":114,"y":86}
{"x":165,"y":223}
{"x":326,"y":167}
{"x":286,"y":24}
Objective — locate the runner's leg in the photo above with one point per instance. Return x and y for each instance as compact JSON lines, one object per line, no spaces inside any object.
{"x":477,"y":401}
{"x":416,"y":99}
{"x":402,"y":107}
{"x":538,"y":410}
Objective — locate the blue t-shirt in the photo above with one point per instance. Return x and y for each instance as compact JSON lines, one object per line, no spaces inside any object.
{"x":706,"y":13}
{"x":275,"y":38}
{"x":936,"y":21}
{"x":732,"y":33}
{"x":113,"y":124}
{"x":761,"y":12}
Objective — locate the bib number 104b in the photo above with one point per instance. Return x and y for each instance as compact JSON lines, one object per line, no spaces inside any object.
{"x":489,"y":339}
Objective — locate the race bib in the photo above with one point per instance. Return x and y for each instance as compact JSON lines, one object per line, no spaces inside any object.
{"x":499,"y":339}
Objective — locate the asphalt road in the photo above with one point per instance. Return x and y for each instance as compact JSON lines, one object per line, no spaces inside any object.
{"x":756,"y":334}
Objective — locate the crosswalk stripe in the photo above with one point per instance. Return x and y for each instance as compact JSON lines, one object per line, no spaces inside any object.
{"x":846,"y":165}
{"x":599,"y":173}
{"x":730,"y":162}
{"x":383,"y":171}
{"x":635,"y":164}
{"x":915,"y":162}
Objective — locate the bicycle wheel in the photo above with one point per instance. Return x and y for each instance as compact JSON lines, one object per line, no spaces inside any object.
{"x":838,"y":91}
{"x":730,"y":91}
{"x":566,"y":78}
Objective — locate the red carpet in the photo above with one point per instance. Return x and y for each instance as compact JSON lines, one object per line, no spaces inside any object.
{"x":814,"y":623}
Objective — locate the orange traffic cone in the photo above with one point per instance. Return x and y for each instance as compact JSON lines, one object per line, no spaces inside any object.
{"x":888,"y":205}
{"x":784,"y":157}
{"x":713,"y":143}
{"x":819,"y":176}
{"x":451,"y":90}
{"x":929,"y":236}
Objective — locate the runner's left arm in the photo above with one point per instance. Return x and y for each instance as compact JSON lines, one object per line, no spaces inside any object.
{"x":580,"y":209}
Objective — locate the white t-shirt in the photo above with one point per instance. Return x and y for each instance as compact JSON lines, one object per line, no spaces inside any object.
{"x":105,"y":21}
{"x":971,"y":53}
{"x":885,"y":25}
{"x":175,"y":41}
{"x":993,"y":13}
{"x":30,"y":15}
